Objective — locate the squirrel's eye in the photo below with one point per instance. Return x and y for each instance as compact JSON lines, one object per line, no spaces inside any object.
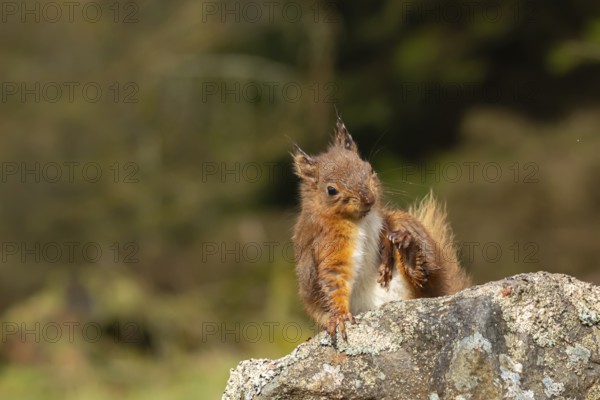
{"x":331,"y":191}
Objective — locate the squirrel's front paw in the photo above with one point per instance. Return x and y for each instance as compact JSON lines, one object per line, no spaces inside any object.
{"x":415,"y":262}
{"x":386,"y":267}
{"x":338,"y":320}
{"x":384,"y":277}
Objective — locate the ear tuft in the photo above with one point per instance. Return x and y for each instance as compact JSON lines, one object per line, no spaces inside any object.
{"x":342,"y":136}
{"x":305,"y":166}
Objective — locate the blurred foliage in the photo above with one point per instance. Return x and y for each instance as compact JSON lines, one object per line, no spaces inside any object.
{"x":180,"y":294}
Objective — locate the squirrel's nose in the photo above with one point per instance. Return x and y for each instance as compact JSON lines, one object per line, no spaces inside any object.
{"x":367,"y":197}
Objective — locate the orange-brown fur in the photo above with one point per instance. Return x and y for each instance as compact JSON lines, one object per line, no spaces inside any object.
{"x":338,"y":189}
{"x":429,"y":264}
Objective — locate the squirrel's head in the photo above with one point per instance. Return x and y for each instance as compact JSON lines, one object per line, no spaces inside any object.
{"x":338,"y":181}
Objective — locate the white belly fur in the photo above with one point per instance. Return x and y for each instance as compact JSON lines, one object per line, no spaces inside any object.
{"x":366,"y":293}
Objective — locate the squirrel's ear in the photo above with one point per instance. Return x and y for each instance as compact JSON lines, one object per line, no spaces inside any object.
{"x":305,"y":166}
{"x":342,"y":136}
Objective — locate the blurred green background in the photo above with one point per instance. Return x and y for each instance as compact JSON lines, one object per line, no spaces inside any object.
{"x":146,"y":190}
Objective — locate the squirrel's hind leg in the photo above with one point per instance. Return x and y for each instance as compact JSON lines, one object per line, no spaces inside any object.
{"x":407,"y":246}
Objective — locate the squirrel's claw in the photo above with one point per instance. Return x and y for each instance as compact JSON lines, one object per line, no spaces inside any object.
{"x":402,"y":239}
{"x":336,"y":321}
{"x":406,"y":243}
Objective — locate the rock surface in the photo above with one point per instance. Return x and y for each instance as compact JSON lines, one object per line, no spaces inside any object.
{"x":531,"y":336}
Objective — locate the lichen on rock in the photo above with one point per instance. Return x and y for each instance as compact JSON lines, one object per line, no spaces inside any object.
{"x":531,"y":336}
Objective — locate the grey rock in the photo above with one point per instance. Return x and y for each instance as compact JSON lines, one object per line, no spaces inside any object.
{"x":531,"y":336}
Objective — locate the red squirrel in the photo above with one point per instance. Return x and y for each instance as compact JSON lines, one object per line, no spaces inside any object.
{"x":352,"y":253}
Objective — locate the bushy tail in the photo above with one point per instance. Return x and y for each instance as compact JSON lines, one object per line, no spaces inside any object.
{"x":433,"y":216}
